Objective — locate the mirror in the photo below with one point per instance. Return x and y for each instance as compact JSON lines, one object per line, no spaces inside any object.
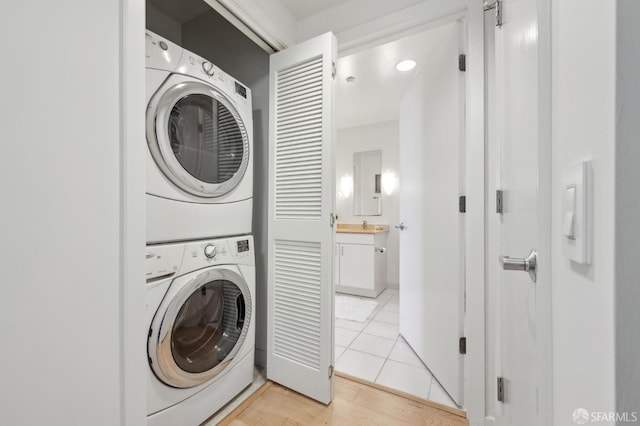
{"x":367,"y":199}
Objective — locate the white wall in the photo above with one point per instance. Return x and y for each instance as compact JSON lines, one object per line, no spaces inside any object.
{"x":70,"y":201}
{"x":383,"y":136}
{"x":214,"y":38}
{"x":583,"y":127}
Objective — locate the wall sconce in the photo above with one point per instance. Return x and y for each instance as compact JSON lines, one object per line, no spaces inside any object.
{"x":345,"y":186}
{"x":389,"y":182}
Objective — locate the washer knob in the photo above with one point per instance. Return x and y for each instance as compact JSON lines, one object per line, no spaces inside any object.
{"x":207,"y":67}
{"x":210,"y":251}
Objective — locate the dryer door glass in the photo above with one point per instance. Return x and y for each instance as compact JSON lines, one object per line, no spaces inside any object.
{"x":208,"y":326}
{"x":205,"y":138}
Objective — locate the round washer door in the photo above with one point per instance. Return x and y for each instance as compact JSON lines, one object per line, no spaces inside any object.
{"x":197,"y":137}
{"x":197,"y":333}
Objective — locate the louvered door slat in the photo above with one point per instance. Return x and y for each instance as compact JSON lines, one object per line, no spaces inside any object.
{"x":306,"y":298}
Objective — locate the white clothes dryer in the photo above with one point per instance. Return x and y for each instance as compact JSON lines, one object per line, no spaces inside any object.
{"x":201,"y":327}
{"x":199,"y":130}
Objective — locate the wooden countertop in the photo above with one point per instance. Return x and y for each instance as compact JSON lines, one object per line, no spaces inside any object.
{"x":357,"y":228}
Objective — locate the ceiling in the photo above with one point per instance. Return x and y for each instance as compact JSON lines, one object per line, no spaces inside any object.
{"x":376,"y":93}
{"x":301,"y":9}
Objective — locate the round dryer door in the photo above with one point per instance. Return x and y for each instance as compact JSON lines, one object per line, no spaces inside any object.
{"x":197,"y":334}
{"x":197,"y":138}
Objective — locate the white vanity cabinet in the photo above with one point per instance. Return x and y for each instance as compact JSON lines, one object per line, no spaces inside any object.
{"x":361,"y":261}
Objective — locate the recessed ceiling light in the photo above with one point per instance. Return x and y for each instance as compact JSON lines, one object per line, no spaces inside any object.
{"x":406,"y":65}
{"x":351,"y":79}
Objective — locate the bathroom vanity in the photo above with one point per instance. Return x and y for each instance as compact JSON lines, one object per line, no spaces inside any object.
{"x":360,"y":259}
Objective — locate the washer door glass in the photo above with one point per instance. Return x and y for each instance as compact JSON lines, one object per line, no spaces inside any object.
{"x":207,"y":327}
{"x":197,"y":332}
{"x":197,"y":138}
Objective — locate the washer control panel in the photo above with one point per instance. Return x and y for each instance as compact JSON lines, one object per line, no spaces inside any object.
{"x":243,"y":248}
{"x":210,"y":250}
{"x":200,"y":254}
{"x":163,"y":260}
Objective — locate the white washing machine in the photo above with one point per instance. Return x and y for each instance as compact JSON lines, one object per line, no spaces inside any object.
{"x":199,"y":128}
{"x":201,"y":327}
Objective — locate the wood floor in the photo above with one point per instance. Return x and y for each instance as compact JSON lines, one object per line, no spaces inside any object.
{"x":354,"y":404}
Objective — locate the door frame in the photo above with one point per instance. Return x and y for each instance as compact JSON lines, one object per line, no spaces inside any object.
{"x":544,"y":341}
{"x":544,"y":318}
{"x":133,"y":364}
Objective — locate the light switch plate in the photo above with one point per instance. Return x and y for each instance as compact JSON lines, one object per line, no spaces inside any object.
{"x":569,"y":225}
{"x":577,"y":190}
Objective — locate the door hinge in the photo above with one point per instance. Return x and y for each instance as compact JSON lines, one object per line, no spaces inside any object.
{"x":462,"y":346}
{"x":497,"y":5}
{"x":462,"y":62}
{"x":500,"y":389}
{"x":462,"y":204}
{"x":499,"y":201}
{"x":330,"y":371}
{"x":333,"y":70}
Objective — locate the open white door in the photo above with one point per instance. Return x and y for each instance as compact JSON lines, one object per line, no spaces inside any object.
{"x":301,"y":205}
{"x":431,"y":243}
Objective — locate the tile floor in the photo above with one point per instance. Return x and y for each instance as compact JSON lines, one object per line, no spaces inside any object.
{"x":375,"y":351}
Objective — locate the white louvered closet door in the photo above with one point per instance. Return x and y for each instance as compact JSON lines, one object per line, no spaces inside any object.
{"x":301,"y":202}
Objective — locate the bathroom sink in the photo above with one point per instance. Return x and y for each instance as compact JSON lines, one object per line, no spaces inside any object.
{"x":358,"y":228}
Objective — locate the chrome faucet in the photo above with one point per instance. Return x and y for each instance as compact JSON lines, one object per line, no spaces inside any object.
{"x":364,"y":224}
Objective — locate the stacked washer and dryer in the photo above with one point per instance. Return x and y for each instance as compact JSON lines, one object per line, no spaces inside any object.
{"x":200,"y":283}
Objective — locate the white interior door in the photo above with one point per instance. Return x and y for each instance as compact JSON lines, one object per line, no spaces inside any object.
{"x":516,"y":56}
{"x":301,"y":204}
{"x":431,"y":245}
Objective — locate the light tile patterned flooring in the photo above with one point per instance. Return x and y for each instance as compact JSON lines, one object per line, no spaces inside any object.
{"x":375,"y":351}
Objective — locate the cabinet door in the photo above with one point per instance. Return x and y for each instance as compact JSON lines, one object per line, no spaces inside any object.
{"x":356,"y":265}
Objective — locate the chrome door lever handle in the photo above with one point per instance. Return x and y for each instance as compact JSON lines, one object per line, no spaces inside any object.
{"x":529,"y":264}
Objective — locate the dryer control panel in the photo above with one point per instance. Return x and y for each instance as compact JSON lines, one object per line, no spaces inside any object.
{"x":193,"y":65}
{"x":160,"y":53}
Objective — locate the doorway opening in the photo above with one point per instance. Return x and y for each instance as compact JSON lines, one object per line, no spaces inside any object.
{"x":401,"y":226}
